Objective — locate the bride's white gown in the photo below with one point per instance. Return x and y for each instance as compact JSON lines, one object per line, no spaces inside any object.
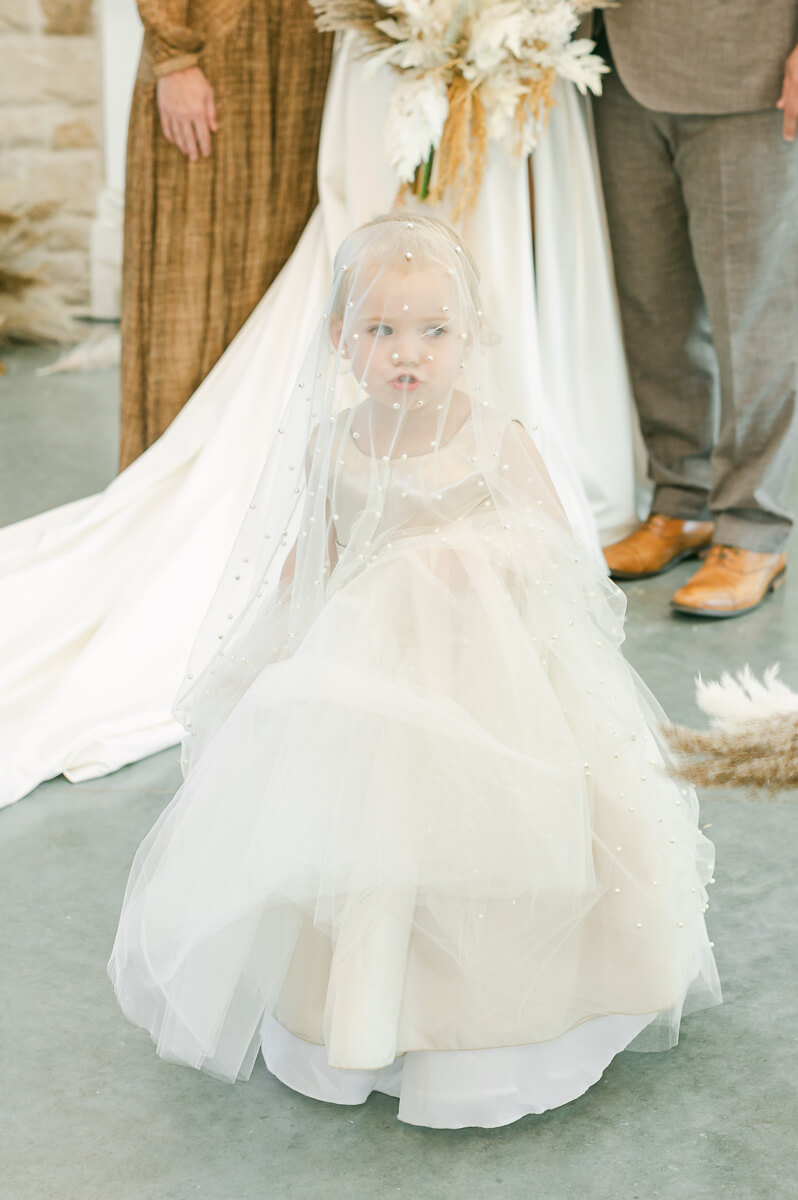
{"x":100,"y":599}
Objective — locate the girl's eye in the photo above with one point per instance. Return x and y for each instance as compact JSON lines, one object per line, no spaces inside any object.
{"x":381,"y":330}
{"x":435,"y":330}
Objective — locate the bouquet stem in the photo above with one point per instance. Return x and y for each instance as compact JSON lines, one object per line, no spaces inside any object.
{"x":425,"y":176}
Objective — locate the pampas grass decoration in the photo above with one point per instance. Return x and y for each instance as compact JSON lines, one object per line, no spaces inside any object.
{"x":538,"y":101}
{"x":460,"y":158}
{"x":737,"y":700}
{"x":753,"y":742}
{"x":30,"y":310}
{"x":362,"y":16}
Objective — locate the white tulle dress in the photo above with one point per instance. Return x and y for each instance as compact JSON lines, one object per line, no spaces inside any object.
{"x":427,"y":843}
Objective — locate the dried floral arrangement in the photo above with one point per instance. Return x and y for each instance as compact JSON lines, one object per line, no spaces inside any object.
{"x":468,"y":72}
{"x":753,"y":742}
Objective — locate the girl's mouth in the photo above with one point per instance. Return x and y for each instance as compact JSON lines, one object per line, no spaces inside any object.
{"x":405,"y":383}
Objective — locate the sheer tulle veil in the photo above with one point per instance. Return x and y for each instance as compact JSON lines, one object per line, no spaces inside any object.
{"x":404,"y":299}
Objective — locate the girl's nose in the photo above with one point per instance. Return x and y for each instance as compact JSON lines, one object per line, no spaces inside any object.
{"x":407,"y":353}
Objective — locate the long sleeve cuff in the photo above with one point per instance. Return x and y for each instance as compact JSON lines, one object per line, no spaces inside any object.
{"x":169,"y":65}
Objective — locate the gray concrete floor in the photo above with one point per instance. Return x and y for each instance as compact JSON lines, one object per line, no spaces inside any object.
{"x":90,"y":1112}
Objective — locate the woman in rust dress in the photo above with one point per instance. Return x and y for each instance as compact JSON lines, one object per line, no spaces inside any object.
{"x":221,"y":180}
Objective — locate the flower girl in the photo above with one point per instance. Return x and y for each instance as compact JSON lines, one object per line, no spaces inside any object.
{"x":426,"y":842}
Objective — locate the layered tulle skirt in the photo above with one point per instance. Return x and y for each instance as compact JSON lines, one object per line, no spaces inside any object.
{"x":432,"y":850}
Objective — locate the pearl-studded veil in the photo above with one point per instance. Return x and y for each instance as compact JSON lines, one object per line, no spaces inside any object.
{"x":391,"y":388}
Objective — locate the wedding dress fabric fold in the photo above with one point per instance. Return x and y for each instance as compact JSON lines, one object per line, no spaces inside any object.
{"x":100,"y":599}
{"x":427,"y":833}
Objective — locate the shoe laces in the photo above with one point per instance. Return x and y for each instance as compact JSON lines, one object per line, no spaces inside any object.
{"x":720,"y":552}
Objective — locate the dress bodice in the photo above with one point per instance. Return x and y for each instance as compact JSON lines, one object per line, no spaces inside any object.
{"x":409,"y":492}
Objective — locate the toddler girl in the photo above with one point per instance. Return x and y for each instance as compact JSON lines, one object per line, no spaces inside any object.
{"x":426,"y":843}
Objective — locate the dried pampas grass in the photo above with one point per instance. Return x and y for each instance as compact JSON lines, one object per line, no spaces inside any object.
{"x":30,"y":310}
{"x":537,"y":101}
{"x":753,"y":742}
{"x":336,"y":16}
{"x":460,"y":158}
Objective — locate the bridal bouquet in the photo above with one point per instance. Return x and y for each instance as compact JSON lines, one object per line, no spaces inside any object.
{"x":468,"y":71}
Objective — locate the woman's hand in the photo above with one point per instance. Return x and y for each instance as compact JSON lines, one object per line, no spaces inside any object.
{"x":188,"y":111}
{"x":788,"y":101}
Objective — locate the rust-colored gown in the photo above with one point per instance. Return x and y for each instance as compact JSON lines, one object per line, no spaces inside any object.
{"x":204,"y":240}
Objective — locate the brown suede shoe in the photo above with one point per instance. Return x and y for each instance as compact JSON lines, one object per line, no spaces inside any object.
{"x":730,"y":582}
{"x":659,"y":544}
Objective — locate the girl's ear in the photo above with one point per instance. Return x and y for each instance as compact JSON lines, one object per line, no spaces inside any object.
{"x":336,"y":332}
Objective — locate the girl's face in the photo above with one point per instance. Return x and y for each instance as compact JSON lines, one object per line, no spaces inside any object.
{"x":404,"y":339}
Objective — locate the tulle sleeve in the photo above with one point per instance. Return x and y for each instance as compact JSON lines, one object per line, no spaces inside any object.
{"x":526,"y":471}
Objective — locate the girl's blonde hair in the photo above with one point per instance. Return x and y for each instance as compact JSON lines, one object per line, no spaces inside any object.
{"x":407,"y":240}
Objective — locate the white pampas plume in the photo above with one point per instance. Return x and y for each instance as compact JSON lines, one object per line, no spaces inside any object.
{"x":735,"y":700}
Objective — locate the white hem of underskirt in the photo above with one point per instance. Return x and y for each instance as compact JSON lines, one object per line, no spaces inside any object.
{"x":455,"y":1089}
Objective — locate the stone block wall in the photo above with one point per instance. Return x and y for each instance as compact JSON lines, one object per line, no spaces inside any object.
{"x":51,"y":129}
